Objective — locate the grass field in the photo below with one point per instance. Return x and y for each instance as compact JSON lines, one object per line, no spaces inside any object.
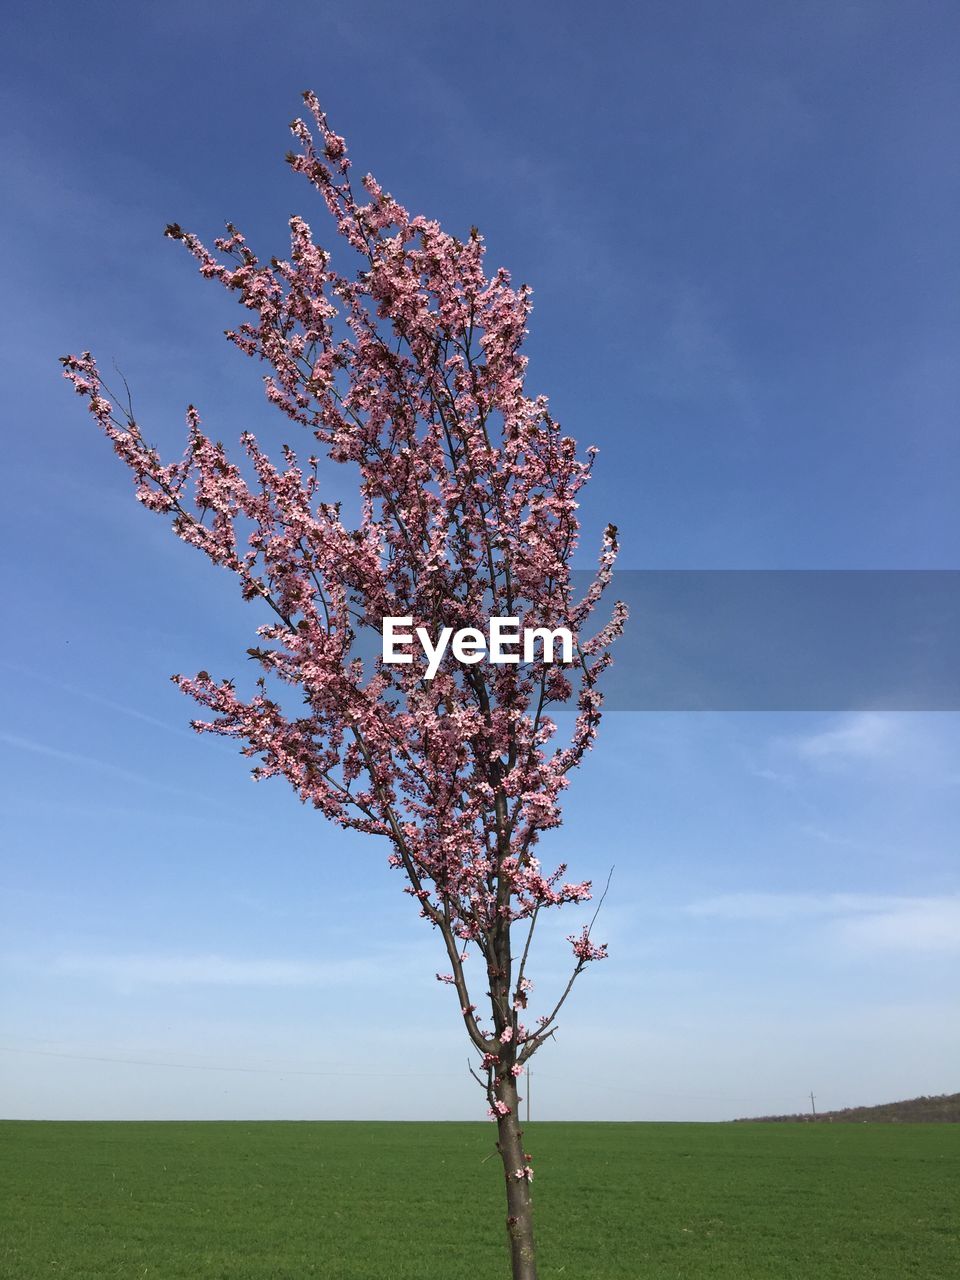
{"x":242,"y":1201}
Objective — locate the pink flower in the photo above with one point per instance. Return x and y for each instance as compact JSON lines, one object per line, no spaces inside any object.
{"x":584,"y":949}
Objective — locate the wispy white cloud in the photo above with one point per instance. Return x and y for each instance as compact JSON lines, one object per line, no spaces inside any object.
{"x":824,"y":836}
{"x":19,"y":743}
{"x":97,"y":699}
{"x":923,"y":924}
{"x":136,"y":970}
{"x":861,"y":921}
{"x":864,"y":735}
{"x":773,"y":775}
{"x":79,"y":758}
{"x":921,"y":746}
{"x":782,"y":906}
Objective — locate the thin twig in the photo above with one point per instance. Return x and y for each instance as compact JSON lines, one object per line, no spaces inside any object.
{"x":602,"y":896}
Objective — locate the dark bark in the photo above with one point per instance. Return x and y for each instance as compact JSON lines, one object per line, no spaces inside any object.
{"x":519,"y":1198}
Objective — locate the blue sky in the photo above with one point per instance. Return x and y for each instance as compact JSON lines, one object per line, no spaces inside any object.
{"x":739,"y":223}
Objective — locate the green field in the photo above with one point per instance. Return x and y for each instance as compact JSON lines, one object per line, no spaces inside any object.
{"x":244,"y":1201}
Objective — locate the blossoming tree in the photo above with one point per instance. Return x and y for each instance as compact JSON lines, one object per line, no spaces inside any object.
{"x":411,"y":371}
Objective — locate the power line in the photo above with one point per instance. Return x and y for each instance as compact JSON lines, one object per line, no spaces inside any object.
{"x":370,"y":1075}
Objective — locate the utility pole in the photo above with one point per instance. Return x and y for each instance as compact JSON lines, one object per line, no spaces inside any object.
{"x":813,"y":1105}
{"x":528,"y":1095}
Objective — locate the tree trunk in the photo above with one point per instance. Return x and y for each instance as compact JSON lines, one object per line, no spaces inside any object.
{"x":519,"y":1199}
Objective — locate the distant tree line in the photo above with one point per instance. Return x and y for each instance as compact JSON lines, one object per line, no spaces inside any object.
{"x":940,"y":1108}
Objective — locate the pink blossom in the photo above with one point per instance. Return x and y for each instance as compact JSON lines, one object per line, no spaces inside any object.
{"x":584,"y":949}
